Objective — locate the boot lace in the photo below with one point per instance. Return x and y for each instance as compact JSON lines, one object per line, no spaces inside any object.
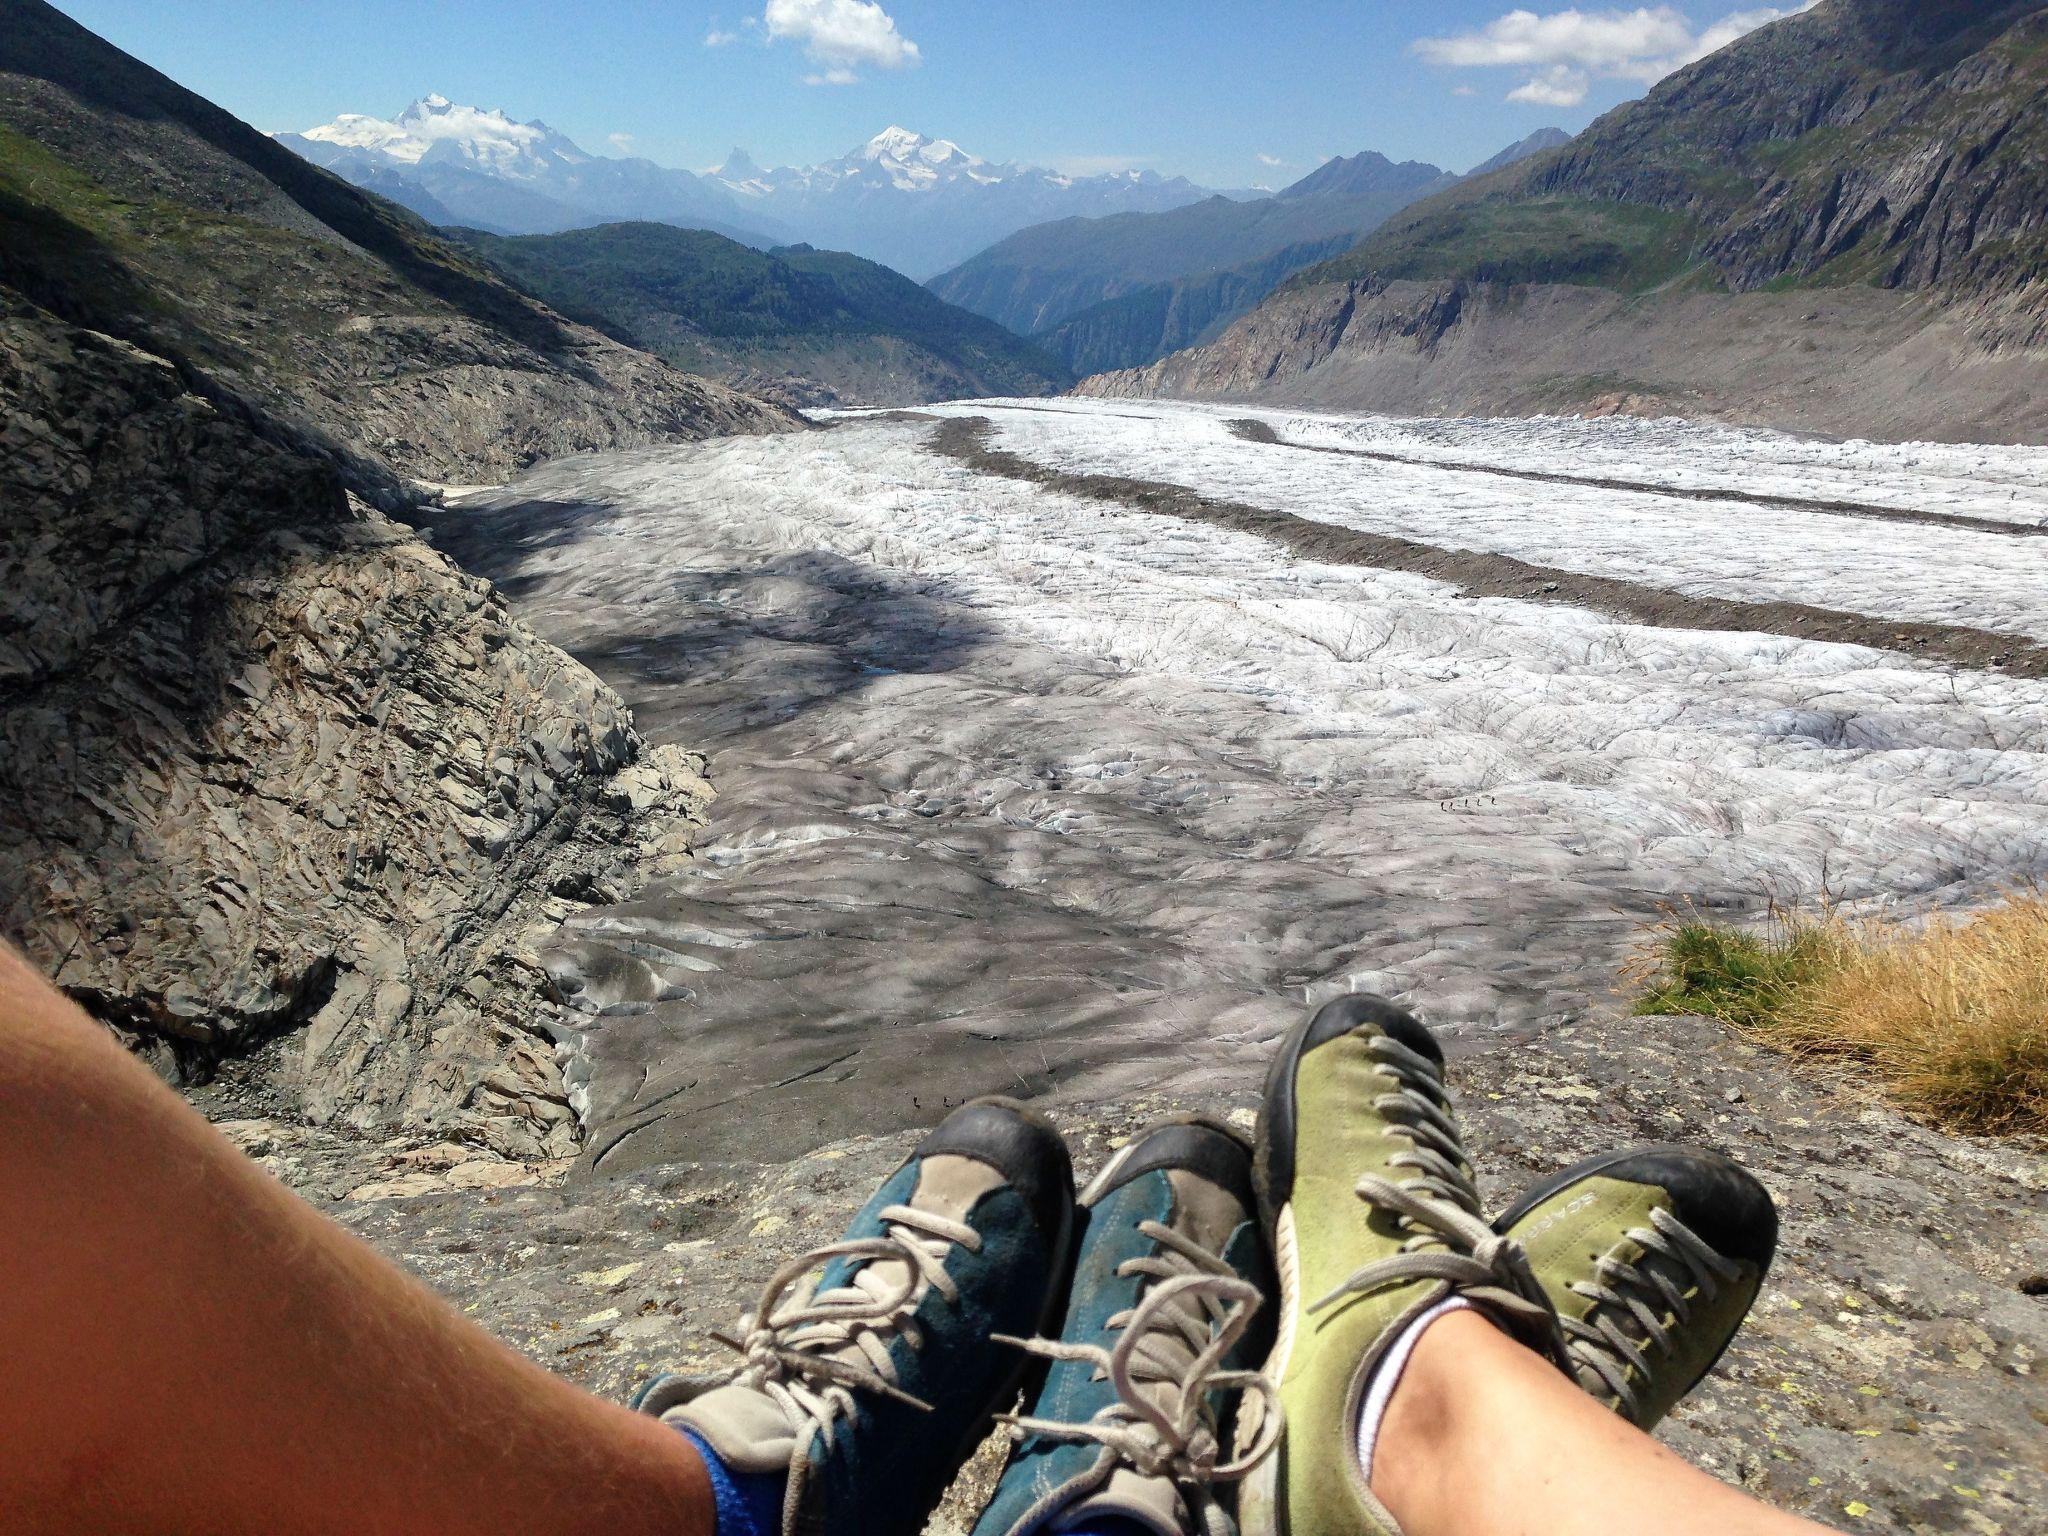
{"x":811,"y":1354}
{"x":1600,"y":1348}
{"x":1438,"y":1207}
{"x":1191,"y":1316}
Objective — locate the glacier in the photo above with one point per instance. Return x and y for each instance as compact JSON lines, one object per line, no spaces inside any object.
{"x":1022,"y":790}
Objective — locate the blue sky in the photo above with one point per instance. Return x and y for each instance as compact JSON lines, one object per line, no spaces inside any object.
{"x":1230,"y":95}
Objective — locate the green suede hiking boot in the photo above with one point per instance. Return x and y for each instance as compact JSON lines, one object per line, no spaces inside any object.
{"x":1652,"y":1257}
{"x":1164,"y":1324}
{"x":1364,"y":1186}
{"x":865,"y":1388}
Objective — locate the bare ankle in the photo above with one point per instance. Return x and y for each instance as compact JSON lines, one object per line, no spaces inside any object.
{"x":1419,"y":1465}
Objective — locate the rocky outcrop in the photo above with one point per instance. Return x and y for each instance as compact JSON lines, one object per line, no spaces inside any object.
{"x":273,"y":770}
{"x":283,"y":793}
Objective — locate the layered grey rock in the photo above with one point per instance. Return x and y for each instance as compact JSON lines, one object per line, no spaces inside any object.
{"x":270,"y":767}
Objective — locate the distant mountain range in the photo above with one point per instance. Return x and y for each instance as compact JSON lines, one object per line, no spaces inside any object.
{"x":453,"y":164}
{"x":801,"y":325}
{"x":914,"y":203}
{"x":1119,"y":292}
{"x":1834,"y":223}
{"x":920,"y":205}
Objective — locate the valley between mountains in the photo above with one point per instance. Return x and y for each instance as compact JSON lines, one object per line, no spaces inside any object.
{"x":572,"y":722}
{"x":1101,"y":790}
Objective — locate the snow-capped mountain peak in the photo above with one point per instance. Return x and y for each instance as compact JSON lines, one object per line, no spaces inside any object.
{"x":435,"y":125}
{"x":913,"y":162}
{"x":901,"y":144}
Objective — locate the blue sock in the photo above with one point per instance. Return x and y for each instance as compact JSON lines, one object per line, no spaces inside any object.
{"x":749,"y":1503}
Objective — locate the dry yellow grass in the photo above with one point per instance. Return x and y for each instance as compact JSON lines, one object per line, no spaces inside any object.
{"x":1951,"y":1017}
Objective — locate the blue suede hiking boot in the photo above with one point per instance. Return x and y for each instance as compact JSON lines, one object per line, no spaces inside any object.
{"x":1158,"y":1342}
{"x":868,"y":1389}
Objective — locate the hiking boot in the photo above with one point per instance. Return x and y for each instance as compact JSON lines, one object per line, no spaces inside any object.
{"x":1160,"y":1337}
{"x":1365,"y":1188}
{"x":1652,"y":1258}
{"x":869,"y":1388}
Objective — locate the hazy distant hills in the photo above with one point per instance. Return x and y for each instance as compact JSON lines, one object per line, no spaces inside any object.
{"x":1039,"y":277}
{"x":1839,"y":221}
{"x":1150,"y":321}
{"x":1116,"y":293}
{"x":914,"y":203}
{"x":1521,"y":149}
{"x":808,"y":326}
{"x":920,"y":204}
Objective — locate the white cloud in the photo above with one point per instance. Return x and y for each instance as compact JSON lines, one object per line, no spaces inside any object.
{"x":622,"y":142}
{"x":841,"y":36}
{"x":1464,"y":90}
{"x":1265,"y":159}
{"x":1564,"y":50}
{"x":1558,"y":86}
{"x":1591,"y":39}
{"x":718,"y":37}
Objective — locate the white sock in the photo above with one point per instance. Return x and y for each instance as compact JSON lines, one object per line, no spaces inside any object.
{"x":1387,"y":1375}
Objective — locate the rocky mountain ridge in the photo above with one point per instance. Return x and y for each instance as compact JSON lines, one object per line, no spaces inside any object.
{"x":1836,"y":223}
{"x":1335,"y":205}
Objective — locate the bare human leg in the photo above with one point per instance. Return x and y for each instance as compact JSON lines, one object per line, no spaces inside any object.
{"x":1483,"y":1438}
{"x":187,"y":1347}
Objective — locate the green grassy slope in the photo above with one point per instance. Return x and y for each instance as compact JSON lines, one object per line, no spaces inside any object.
{"x":859,"y":330}
{"x":134,"y":207}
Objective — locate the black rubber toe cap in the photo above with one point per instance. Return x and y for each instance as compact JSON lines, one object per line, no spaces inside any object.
{"x":1274,"y":1166}
{"x":1024,"y":1147}
{"x":1206,"y":1148}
